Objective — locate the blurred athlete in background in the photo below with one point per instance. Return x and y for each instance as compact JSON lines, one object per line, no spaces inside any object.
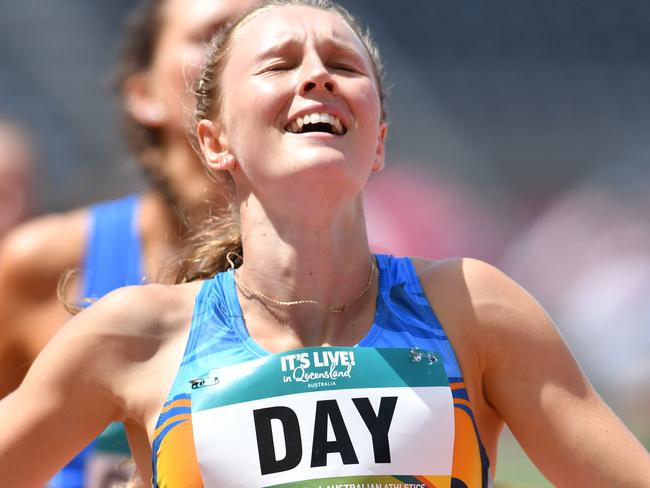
{"x":129,"y":240}
{"x":17,"y":154}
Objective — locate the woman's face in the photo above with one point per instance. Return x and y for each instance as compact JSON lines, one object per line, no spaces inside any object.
{"x":300,"y":97}
{"x":186,"y":26}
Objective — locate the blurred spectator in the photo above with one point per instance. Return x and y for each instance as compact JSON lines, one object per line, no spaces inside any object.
{"x":419,"y":211}
{"x":587,"y":259}
{"x":17,"y":154}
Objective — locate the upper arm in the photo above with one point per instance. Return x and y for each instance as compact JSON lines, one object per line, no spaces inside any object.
{"x":530,"y":378}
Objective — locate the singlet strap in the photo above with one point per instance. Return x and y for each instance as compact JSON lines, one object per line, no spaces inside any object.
{"x":403,"y":310}
{"x":113,"y":238}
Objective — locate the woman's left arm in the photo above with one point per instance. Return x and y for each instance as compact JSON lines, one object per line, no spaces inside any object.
{"x":531,"y":379}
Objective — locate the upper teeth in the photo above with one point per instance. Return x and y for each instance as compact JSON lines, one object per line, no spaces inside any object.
{"x":316,"y":118}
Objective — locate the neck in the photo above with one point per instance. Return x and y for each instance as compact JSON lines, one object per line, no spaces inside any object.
{"x":325,"y":260}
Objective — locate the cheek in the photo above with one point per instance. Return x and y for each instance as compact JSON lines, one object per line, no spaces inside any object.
{"x":270,"y":96}
{"x":260,"y":100}
{"x":369,"y":107}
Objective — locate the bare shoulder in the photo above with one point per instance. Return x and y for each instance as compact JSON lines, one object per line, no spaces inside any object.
{"x":130,"y":317}
{"x":494,"y":324}
{"x":482,"y":298}
{"x":44,"y":248}
{"x":473,"y":274}
{"x":488,"y":310}
{"x":124,"y":332}
{"x":144,"y":310}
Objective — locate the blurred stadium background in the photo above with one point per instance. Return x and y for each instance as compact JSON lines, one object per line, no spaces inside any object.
{"x":519,"y":135}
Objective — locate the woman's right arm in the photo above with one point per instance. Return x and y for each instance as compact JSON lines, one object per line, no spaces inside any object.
{"x":68,"y":396}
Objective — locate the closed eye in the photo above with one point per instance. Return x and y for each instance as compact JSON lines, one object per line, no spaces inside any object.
{"x":279,"y":67}
{"x":276,"y":66}
{"x":345,"y":67}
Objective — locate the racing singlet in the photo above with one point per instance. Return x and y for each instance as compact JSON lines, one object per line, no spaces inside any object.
{"x":390,"y":412}
{"x":113,"y":260}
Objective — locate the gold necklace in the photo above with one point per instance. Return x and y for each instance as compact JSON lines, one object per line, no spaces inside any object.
{"x":288,"y":303}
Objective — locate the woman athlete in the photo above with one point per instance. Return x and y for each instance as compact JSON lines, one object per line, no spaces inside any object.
{"x":312,"y":362}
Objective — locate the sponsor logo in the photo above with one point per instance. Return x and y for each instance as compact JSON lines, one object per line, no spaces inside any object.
{"x":320,"y":368}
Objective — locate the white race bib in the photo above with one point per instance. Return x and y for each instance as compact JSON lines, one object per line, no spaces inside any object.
{"x":325,"y":418}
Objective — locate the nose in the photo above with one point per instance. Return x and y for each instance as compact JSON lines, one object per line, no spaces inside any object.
{"x":316,"y":77}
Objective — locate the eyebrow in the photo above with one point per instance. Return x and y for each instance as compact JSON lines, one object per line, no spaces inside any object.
{"x":291,"y":44}
{"x":276,"y":49}
{"x":345,"y":49}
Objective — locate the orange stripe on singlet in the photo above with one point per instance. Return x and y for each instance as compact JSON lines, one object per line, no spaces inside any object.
{"x":183,"y":402}
{"x":175,"y":418}
{"x":462,"y":401}
{"x":457,"y":385}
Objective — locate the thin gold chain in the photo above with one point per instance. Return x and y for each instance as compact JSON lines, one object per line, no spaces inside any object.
{"x":288,"y":303}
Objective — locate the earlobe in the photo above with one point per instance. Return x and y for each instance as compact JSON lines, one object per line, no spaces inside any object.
{"x":214,"y":147}
{"x":230,"y":163}
{"x":380,"y":153}
{"x":140,"y":104}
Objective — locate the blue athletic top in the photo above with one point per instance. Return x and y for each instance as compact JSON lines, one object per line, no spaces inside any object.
{"x":218,"y":337}
{"x":113,"y":260}
{"x":114,"y":252}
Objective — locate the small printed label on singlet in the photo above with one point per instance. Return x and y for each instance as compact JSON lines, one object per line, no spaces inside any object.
{"x":327,"y":417}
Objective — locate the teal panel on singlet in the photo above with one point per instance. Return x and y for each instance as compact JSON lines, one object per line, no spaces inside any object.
{"x":113,"y":259}
{"x":218,"y":337}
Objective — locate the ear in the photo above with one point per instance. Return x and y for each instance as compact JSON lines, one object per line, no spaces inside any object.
{"x":141,"y":103}
{"x":214,"y":147}
{"x":380,"y":152}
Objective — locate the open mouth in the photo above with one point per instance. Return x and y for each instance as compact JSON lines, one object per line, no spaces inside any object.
{"x":317,"y":122}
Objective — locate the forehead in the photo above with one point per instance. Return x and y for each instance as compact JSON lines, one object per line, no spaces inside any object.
{"x":297,"y":23}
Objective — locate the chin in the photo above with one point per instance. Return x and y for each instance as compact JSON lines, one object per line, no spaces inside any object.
{"x":318,"y":156}
{"x":338,"y":174}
